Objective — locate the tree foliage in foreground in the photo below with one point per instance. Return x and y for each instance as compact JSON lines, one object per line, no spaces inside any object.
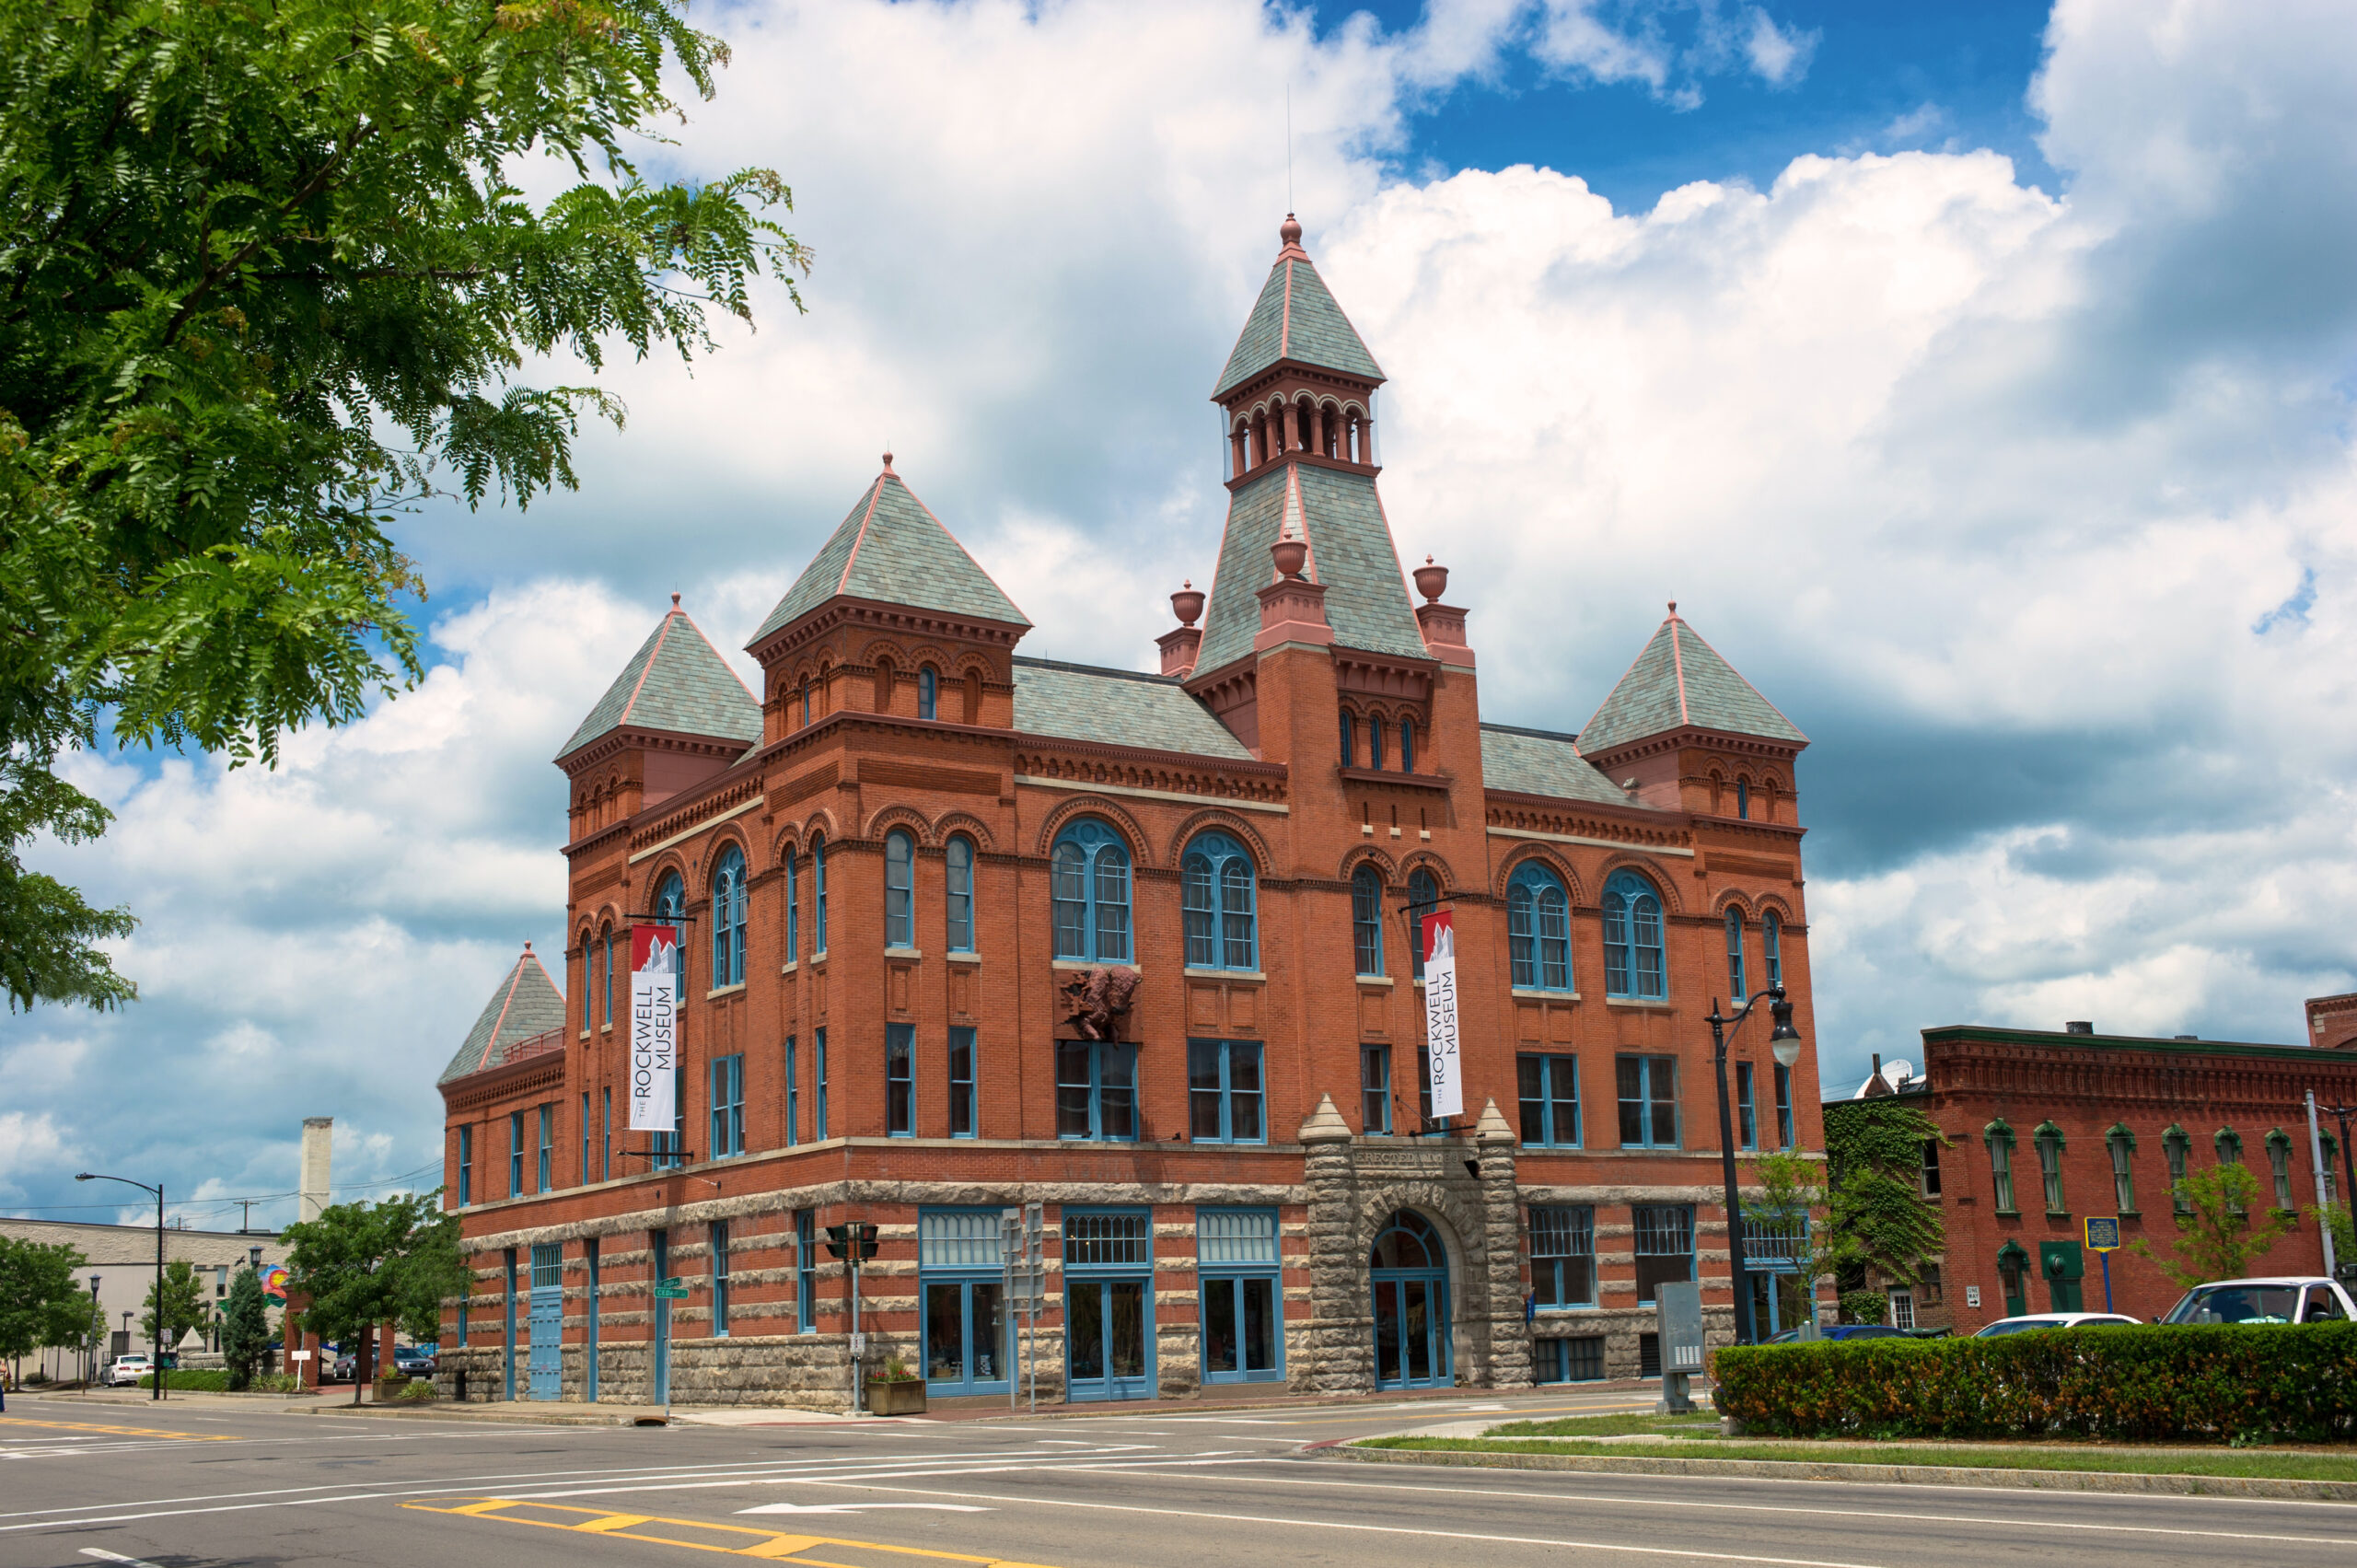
{"x":2224,"y":1231}
{"x":41,"y":1302}
{"x":362,"y":1264}
{"x":268,"y":276}
{"x":185,"y":1306}
{"x":244,"y":1329}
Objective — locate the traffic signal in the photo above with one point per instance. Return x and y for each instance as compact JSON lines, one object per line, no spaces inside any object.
{"x":842,"y":1238}
{"x":839,"y":1241}
{"x":866,"y":1240}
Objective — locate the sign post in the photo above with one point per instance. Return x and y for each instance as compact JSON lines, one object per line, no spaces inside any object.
{"x":671,"y":1288}
{"x":1023,"y":1285}
{"x":2103,"y":1240}
{"x":1446,"y":1080}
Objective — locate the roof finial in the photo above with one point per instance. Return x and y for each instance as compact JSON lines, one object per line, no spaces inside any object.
{"x":1290,"y":230}
{"x":527,"y":947}
{"x":1673,"y":609}
{"x":675,"y":604}
{"x":887,"y":463}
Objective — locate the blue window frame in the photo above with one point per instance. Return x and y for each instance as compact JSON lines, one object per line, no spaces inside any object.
{"x":515,"y":1154}
{"x":1783,"y":1106}
{"x":544,"y":1165}
{"x":805,"y":1270}
{"x":1407,"y":746}
{"x":1366,"y":919}
{"x":1664,"y":1246}
{"x":901,"y":1080}
{"x":1578,"y":1358}
{"x":819,"y":1084}
{"x":1634,"y":965}
{"x":727,"y":1106}
{"x":1237,"y":1266}
{"x":1562,"y":1256}
{"x":1350,"y":740}
{"x":961,"y":1296}
{"x":1550,"y":1089}
{"x":1735,"y":992}
{"x":588,"y":991}
{"x":793,"y":1097}
{"x":1097,"y":1090}
{"x":961,"y":1083}
{"x":1375,"y":744}
{"x":899,"y":891}
{"x":1648,"y":1087}
{"x":1742,"y":798}
{"x":1375,"y":1089}
{"x":1089,"y":893}
{"x":928,"y":693}
{"x":1746,"y":1109}
{"x":466,"y":1165}
{"x":1224,"y":1092}
{"x":586,"y":1166}
{"x":606,"y":941}
{"x":957,"y":891}
{"x":720,"y":1278}
{"x":1771,"y":948}
{"x":819,"y":895}
{"x":1424,"y":895}
{"x":1539,"y":929}
{"x":729,"y":919}
{"x":793,"y":910}
{"x":606,"y":1134}
{"x":1217,"y":891}
{"x":805,"y":701}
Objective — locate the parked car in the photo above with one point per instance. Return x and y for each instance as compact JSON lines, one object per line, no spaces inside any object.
{"x":128,"y":1369}
{"x":2286,"y":1298}
{"x":1843,"y":1332}
{"x":416,"y":1360}
{"x":340,"y":1369}
{"x":2032,"y":1320}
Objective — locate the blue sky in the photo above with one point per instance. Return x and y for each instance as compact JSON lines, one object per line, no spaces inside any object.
{"x":1979,"y":381}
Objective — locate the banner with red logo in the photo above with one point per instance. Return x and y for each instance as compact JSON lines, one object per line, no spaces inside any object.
{"x":653,"y":1027}
{"x":1440,"y":1014}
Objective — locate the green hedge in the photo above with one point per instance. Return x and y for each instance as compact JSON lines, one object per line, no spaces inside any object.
{"x":2222,"y":1382}
{"x":217,"y":1382}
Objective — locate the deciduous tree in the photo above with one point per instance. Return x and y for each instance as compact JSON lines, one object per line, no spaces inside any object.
{"x":184,"y":1305}
{"x":362,"y":1264}
{"x":245,"y":1328}
{"x":2224,"y":1231}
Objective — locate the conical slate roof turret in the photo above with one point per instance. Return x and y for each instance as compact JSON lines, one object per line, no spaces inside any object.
{"x":677,"y":681}
{"x":892,"y":550}
{"x":526,"y":1004}
{"x":1296,"y":318}
{"x":1679,"y":681}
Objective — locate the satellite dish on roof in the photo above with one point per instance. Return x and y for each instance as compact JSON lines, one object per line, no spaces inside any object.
{"x":1895,"y":1077}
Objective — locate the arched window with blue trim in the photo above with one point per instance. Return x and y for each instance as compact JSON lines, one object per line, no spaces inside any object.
{"x":1366,"y":919}
{"x":959,"y":892}
{"x":793,"y":909}
{"x":671,"y":908}
{"x":1539,"y":929}
{"x":900,"y":889}
{"x":806,"y":702}
{"x":1633,"y":961}
{"x":1217,"y":893}
{"x":928,"y":693}
{"x":1089,"y":893}
{"x":1423,"y":896}
{"x":819,"y":895}
{"x":729,"y":919}
{"x":1772,"y":947}
{"x":1407,"y":746}
{"x":1742,"y":798}
{"x":1735,"y":992}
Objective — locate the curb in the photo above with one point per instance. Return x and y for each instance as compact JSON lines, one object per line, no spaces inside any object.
{"x":1901,"y":1475}
{"x":447,"y":1412}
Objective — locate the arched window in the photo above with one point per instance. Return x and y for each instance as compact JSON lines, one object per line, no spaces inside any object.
{"x":1735,"y":992}
{"x":671,"y":907}
{"x":793,"y":910}
{"x":959,"y":892}
{"x":1423,"y":896}
{"x":729,"y":919}
{"x":2279,"y":1163}
{"x":1634,"y":965}
{"x":1407,"y":746}
{"x":819,"y":895}
{"x":1539,"y":929}
{"x":928,"y":693}
{"x":1375,"y":744}
{"x":1772,"y":947}
{"x":1407,"y":1242}
{"x":899,"y":891}
{"x":1742,"y":798}
{"x":2048,"y":1139}
{"x":1366,"y":919}
{"x":2175,"y":1144}
{"x":606,"y":949}
{"x":1350,"y":740}
{"x":1089,"y":893}
{"x":805,"y":701}
{"x":1217,"y":882}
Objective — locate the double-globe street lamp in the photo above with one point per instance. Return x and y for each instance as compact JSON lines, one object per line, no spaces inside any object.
{"x":159,"y":1337}
{"x":1786,"y":1041}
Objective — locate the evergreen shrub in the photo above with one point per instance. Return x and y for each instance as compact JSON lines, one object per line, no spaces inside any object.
{"x":2222,"y":1382}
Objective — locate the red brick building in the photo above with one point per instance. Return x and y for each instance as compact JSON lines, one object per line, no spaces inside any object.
{"x":2048,"y":1129}
{"x":969,"y":929}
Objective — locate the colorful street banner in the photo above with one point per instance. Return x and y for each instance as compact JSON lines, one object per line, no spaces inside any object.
{"x":1440,"y":1014}
{"x":654,"y":1026}
{"x":273,"y":1282}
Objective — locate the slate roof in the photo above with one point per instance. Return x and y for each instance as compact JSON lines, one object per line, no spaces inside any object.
{"x":1296,"y":317}
{"x":1536,"y":761}
{"x":890,"y":548}
{"x":526,"y":1004}
{"x":1117,"y":707}
{"x":676,"y":680}
{"x":1677,"y":680}
{"x":1349,"y":552}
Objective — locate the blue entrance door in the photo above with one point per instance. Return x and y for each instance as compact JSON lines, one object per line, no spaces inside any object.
{"x":1407,"y":1280}
{"x":548,"y":1320}
{"x":1109,"y":1332}
{"x":965,"y":1337}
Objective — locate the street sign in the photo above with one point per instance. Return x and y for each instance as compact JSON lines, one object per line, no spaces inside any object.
{"x":859,"y":1347}
{"x":672,"y":1289}
{"x":2102,"y":1233}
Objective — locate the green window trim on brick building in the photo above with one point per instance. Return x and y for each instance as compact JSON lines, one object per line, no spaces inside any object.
{"x":2121,"y":1143}
{"x":2051,"y":1142}
{"x":2176,"y":1146}
{"x":1998,"y":1138}
{"x":2279,"y":1165}
{"x":2013,"y":1269}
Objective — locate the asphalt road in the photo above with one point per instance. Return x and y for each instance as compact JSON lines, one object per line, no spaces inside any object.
{"x":189,"y":1484}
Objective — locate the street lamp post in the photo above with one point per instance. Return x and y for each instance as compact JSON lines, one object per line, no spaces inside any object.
{"x":1786,"y":1042}
{"x":2341,"y":1115}
{"x":159,"y":1337}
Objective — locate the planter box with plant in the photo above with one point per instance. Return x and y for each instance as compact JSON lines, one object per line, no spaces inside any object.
{"x":896,"y":1390}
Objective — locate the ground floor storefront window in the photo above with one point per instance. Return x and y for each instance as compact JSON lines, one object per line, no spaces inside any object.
{"x":1407,"y":1284}
{"x":960,"y":1280}
{"x":1237,"y":1262}
{"x":1108,"y":1303}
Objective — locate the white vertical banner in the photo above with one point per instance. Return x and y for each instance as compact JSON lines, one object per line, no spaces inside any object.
{"x":654,"y":1026}
{"x":1442,"y":1061}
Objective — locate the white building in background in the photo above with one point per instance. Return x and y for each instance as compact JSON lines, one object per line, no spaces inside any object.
{"x":121,"y":1259}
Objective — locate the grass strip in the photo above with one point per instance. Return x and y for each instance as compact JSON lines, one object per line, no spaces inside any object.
{"x":1612,"y":1426}
{"x":2226,"y":1462}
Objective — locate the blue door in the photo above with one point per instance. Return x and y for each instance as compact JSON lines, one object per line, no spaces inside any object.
{"x":1408,"y":1279}
{"x":548,"y":1320}
{"x":965,"y":1337}
{"x":1108,"y":1303}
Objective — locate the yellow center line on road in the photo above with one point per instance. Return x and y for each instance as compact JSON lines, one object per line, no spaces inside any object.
{"x":774,"y":1545}
{"x":117,"y":1431}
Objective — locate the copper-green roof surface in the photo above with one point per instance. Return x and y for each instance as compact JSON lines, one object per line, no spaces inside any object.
{"x":893,"y":550}
{"x":677,"y":681}
{"x":1532,"y":762}
{"x":526,"y":1004}
{"x":1681,"y":680}
{"x":1296,"y":317}
{"x":1350,"y":552}
{"x":1117,"y":707}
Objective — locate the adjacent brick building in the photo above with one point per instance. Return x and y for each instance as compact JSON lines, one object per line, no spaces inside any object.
{"x":2045,"y":1129}
{"x":969,"y":929}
